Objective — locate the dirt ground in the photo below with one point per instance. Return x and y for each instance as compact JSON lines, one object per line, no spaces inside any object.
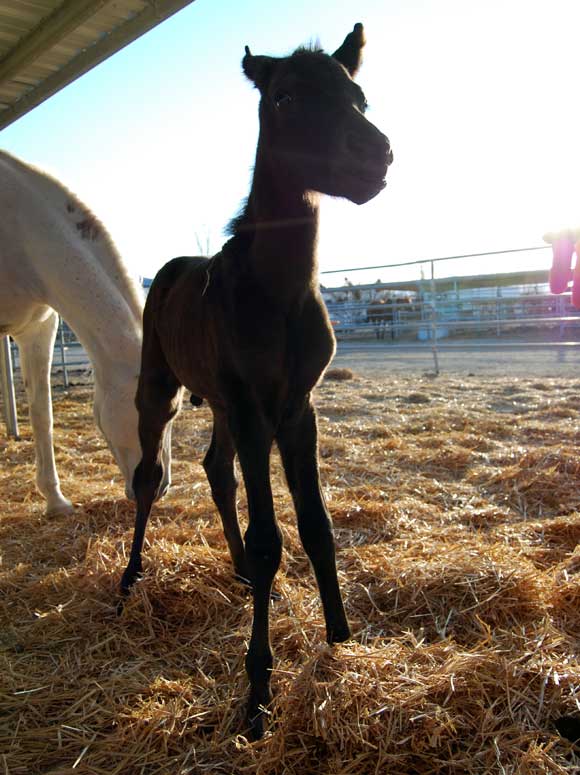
{"x":528,"y":353}
{"x":481,"y":357}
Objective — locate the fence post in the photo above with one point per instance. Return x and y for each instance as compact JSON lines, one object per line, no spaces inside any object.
{"x":62,"y":352}
{"x":434,"y":321}
{"x":7,"y":380}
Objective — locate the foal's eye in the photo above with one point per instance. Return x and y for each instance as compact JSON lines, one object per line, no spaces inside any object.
{"x":282,"y":98}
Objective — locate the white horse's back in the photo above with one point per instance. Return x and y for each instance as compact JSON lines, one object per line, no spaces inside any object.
{"x":50,"y":241}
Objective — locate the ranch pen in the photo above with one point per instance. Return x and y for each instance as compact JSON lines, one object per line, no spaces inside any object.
{"x":451,"y":313}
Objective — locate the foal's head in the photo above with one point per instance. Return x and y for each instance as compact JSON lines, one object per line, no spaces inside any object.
{"x":313,"y":130}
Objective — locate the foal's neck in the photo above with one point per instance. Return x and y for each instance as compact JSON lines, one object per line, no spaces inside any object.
{"x":280,"y":224}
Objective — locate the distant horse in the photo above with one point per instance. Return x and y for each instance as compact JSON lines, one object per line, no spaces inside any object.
{"x":384,"y":313}
{"x":248,"y":331}
{"x":56,"y":257}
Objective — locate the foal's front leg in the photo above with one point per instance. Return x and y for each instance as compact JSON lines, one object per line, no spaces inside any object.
{"x":253,"y":437}
{"x":297,"y":440}
{"x":158,"y":401}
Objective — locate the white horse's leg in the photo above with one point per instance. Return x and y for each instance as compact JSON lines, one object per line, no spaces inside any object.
{"x":36,"y":344}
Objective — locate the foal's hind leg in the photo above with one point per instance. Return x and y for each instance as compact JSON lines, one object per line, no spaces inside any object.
{"x":158,"y":401}
{"x":219,"y":468}
{"x":35,"y":344}
{"x":297,"y":442}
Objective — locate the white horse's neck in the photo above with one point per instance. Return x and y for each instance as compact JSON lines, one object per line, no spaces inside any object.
{"x":105,"y":317}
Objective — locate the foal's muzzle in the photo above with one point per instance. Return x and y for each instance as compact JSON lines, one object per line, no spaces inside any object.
{"x":373,"y":153}
{"x":369,"y":156}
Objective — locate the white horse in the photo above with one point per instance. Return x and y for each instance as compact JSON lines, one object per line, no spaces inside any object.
{"x":56,"y":257}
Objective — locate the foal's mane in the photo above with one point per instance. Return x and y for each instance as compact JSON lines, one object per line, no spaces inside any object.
{"x":86,"y":223}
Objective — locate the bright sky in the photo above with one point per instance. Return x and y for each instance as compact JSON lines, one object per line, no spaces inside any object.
{"x":479,"y":99}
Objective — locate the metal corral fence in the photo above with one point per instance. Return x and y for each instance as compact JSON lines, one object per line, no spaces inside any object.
{"x":428,"y":313}
{"x":397,"y":316}
{"x":69,"y":356}
{"x":437,"y":314}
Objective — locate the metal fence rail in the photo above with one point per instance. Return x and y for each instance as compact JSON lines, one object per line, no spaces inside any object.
{"x":68,"y":356}
{"x":7,"y":388}
{"x":428,"y":314}
{"x":435,"y":311}
{"x":354,"y":320}
{"x":427,"y":319}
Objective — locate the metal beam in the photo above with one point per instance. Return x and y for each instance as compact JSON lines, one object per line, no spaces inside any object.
{"x":7,"y":383}
{"x":51,"y":30}
{"x":120,"y":37}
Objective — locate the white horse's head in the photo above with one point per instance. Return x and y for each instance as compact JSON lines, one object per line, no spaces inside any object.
{"x":117,"y":419}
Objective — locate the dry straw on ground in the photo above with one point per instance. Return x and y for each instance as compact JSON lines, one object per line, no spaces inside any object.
{"x":455,"y":504}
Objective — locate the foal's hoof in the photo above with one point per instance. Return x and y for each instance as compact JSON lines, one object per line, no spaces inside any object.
{"x":127,"y":581}
{"x":569,"y":727}
{"x":256,"y":726}
{"x":256,"y":719}
{"x":338,"y":634}
{"x":129,"y":578}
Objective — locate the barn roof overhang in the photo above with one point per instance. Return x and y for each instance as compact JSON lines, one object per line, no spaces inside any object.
{"x":47,"y":44}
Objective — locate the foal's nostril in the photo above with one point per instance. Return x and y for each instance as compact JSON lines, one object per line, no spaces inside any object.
{"x":375,"y":150}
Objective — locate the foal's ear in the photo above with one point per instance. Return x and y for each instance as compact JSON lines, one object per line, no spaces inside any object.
{"x":350,"y":53}
{"x":258,"y":68}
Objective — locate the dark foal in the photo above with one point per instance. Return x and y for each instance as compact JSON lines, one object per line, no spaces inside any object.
{"x":248,"y":331}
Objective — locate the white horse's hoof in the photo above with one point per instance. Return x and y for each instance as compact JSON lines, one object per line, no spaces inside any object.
{"x":61,"y":507}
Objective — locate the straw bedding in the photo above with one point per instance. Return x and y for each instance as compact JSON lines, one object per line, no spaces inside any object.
{"x":456,"y":511}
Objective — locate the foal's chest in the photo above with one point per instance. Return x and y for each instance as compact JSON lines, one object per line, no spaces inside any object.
{"x":310,"y":344}
{"x":284,"y":349}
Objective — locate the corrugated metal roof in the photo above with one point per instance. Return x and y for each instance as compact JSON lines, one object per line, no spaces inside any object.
{"x":46,"y":44}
